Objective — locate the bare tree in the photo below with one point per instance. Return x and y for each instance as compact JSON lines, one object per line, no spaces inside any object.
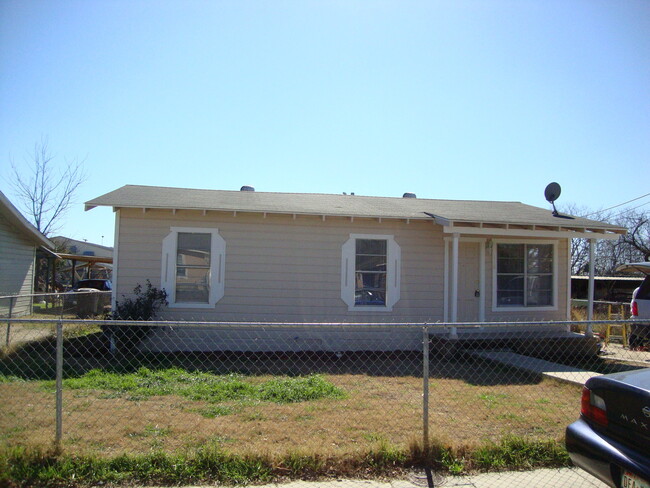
{"x":638,"y":233}
{"x":45,"y":192}
{"x":580,"y":247}
{"x":609,"y":254}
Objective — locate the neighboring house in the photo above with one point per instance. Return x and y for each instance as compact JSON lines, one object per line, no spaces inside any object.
{"x":82,"y":248}
{"x":247,"y":256}
{"x":83,"y":260}
{"x":19,"y":243}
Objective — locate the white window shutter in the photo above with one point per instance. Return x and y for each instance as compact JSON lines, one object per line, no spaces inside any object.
{"x":168,"y":271}
{"x":347,"y":272}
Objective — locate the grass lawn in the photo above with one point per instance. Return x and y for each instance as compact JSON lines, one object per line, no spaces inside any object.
{"x":187,"y":417}
{"x":333,"y":414}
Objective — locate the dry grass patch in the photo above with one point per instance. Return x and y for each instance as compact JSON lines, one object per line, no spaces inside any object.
{"x":469,"y":404}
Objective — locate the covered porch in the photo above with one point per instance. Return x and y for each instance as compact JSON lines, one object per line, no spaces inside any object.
{"x":513,"y":272}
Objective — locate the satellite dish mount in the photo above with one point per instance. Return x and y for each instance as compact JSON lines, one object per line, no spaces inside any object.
{"x":552,"y":193}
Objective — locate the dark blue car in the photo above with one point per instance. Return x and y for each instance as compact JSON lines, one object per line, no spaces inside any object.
{"x":611,"y":440}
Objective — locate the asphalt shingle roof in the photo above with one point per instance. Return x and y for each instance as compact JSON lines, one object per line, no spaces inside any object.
{"x":459,"y":211}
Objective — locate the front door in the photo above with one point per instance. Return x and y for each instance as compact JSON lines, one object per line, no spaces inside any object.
{"x":468,"y":281}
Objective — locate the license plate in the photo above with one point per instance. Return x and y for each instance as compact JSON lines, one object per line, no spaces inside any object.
{"x":629,"y":480}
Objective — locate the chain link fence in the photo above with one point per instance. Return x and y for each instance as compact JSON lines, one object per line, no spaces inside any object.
{"x":308,"y":400}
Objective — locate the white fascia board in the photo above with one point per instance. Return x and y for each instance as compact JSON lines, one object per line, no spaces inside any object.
{"x":292,"y":213}
{"x":450,"y":229}
{"x":442,"y":221}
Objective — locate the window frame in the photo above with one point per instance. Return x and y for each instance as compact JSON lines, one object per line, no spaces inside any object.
{"x":348,"y":269}
{"x":554,"y":278}
{"x":216,"y":269}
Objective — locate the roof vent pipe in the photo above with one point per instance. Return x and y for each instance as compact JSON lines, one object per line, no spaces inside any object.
{"x":409,"y":195}
{"x":247,"y":188}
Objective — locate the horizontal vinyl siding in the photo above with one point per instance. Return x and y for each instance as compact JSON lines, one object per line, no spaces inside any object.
{"x":16,"y":269}
{"x":283,"y":269}
{"x":298,"y":338}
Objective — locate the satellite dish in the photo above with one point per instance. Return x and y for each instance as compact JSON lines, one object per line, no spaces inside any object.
{"x":552,"y":193}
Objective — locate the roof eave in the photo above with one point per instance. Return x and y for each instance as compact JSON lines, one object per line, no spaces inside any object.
{"x":531,"y":229}
{"x":17,"y":219}
{"x":450,"y":225}
{"x":175,"y":208}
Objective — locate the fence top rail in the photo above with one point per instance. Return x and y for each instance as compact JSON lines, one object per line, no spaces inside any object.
{"x":248,"y":324}
{"x":55,"y":295}
{"x":585,"y":301}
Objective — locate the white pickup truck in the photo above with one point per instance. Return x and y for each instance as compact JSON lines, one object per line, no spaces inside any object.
{"x":640,"y":304}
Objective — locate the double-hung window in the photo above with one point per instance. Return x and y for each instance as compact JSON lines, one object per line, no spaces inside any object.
{"x":370,"y":272}
{"x":193,"y":267}
{"x":525,"y":275}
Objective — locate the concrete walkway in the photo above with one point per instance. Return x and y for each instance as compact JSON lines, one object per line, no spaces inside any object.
{"x":539,"y":478}
{"x":539,"y":366}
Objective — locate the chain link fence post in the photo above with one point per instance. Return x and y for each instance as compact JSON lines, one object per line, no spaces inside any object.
{"x":425,"y":391}
{"x":12,"y":300}
{"x":59,"y":384}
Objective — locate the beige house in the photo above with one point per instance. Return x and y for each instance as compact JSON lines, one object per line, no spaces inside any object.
{"x":19,"y":242}
{"x":247,"y":256}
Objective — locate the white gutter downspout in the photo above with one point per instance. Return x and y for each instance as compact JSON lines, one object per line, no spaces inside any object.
{"x":590,"y":293}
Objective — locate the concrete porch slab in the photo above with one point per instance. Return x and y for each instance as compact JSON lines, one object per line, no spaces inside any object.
{"x":549,"y":369}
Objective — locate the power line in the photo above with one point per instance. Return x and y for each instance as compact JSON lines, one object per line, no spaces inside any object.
{"x":620,"y":205}
{"x":613,"y":216}
{"x":633,"y":208}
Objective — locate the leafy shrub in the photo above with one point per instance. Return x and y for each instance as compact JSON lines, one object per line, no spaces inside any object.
{"x":142,"y":306}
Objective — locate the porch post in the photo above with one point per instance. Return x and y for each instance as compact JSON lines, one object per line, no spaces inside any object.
{"x":453,"y":334}
{"x":74,"y":272}
{"x":49,"y":285}
{"x":590,"y":293}
{"x":481,"y":282}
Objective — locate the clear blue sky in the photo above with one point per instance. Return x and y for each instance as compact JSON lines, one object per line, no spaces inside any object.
{"x":478,"y":100}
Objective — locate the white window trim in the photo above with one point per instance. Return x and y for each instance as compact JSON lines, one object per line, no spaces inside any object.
{"x":393,"y":272}
{"x":217,"y":266}
{"x":548,"y":308}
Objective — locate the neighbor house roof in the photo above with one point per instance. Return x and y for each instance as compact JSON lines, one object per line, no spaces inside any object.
{"x":68,"y":242}
{"x":445,"y":212}
{"x":20,"y":223}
